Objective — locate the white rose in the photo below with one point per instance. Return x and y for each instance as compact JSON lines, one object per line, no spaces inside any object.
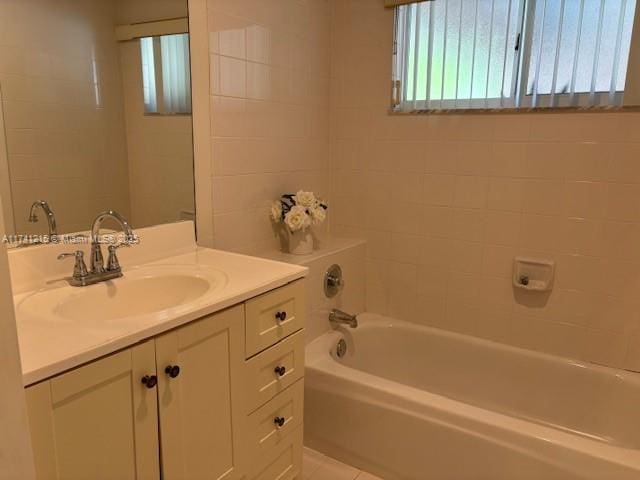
{"x":276,"y":211}
{"x":297,"y":218}
{"x":318,"y":215}
{"x":306,"y":199}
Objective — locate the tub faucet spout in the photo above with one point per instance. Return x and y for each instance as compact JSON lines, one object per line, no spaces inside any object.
{"x":338,"y":317}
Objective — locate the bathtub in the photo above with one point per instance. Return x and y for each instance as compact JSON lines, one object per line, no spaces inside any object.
{"x":412,"y":402}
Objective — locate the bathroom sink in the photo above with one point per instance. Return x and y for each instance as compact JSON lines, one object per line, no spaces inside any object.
{"x":144,"y":291}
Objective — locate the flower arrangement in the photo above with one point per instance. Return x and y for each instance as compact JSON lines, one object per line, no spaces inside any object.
{"x":299,"y":211}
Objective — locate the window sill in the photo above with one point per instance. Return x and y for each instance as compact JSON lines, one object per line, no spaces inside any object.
{"x":512,"y":111}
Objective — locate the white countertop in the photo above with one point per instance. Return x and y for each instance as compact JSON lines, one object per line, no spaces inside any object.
{"x":48,"y":349}
{"x":327,"y":246}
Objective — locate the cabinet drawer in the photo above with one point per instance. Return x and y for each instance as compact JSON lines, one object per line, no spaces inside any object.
{"x":262,"y":428}
{"x":273,"y":370}
{"x":283,"y":462}
{"x":273,"y":316}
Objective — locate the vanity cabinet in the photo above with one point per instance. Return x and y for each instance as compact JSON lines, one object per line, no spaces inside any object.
{"x":97,"y":421}
{"x":274,"y":316}
{"x":197,"y":402}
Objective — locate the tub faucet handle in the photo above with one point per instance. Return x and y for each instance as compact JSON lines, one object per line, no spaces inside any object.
{"x":333,"y":281}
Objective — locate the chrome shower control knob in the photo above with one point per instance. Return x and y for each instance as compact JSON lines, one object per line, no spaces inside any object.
{"x":333,"y":281}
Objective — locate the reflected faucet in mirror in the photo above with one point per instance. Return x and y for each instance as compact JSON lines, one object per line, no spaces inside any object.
{"x":51,"y":218}
{"x":96,"y":146}
{"x":97,"y":272}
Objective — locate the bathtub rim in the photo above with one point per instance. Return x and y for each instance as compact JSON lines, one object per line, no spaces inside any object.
{"x":321,"y":365}
{"x":373,"y":320}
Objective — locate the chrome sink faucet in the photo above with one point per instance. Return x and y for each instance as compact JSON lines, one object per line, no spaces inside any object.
{"x":338,"y":317}
{"x":97,"y":261}
{"x":51,"y":218}
{"x":97,"y":272}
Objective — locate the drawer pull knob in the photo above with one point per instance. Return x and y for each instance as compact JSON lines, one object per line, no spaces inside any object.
{"x":281,"y":316}
{"x":150,"y":381}
{"x":280,"y":370}
{"x":172,"y":370}
{"x":279,"y":421}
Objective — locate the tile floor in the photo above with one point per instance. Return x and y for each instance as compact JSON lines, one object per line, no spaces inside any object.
{"x":316,"y":466}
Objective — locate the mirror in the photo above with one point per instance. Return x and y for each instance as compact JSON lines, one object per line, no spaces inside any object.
{"x":96,"y":113}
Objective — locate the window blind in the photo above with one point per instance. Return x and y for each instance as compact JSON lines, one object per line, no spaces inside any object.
{"x":166,"y":77}
{"x":511,"y":53}
{"x":176,"y":80}
{"x":148,"y":74}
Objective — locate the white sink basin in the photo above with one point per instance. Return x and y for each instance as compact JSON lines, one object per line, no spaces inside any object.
{"x":143,"y":291}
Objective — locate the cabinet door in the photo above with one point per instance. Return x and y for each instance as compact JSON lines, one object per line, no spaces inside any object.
{"x":97,"y":421}
{"x":199,"y":429}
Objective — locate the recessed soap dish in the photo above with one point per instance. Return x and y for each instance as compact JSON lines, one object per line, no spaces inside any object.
{"x":533,"y":274}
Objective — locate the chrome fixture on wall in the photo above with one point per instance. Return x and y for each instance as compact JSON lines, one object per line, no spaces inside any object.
{"x":338,"y":317}
{"x":333,"y":281}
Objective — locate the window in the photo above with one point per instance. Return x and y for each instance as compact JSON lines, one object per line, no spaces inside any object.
{"x":511,"y":53}
{"x":166,"y":78}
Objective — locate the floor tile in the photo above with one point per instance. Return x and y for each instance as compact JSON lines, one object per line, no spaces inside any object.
{"x":367,"y":476}
{"x":317,"y":466}
{"x":311,"y":461}
{"x":332,"y":470}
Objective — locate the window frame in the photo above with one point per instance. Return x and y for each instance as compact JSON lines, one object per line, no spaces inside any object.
{"x":519,"y":99}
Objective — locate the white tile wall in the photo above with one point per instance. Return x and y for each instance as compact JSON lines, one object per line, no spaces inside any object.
{"x":136,"y":11}
{"x":446,"y":201}
{"x":349,"y":254}
{"x":269,"y":112}
{"x":61,"y":86}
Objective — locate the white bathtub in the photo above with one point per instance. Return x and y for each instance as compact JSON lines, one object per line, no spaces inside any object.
{"x":412,"y":402}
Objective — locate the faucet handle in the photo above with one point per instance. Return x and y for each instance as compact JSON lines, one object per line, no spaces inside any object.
{"x":80,"y":268}
{"x":113,"y":264}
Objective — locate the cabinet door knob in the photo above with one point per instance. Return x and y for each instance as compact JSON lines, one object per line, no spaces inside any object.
{"x":280,"y":370}
{"x":172,"y":370}
{"x":281,"y":316}
{"x":279,"y":421}
{"x":150,"y":381}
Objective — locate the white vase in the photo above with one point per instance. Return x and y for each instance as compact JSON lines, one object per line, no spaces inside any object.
{"x":300,"y":242}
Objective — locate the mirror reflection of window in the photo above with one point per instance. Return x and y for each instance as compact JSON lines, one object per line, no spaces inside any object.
{"x":106,"y":121}
{"x":166,"y":79}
